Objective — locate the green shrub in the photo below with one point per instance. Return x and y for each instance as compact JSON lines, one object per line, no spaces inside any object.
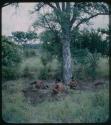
{"x":103,"y":67}
{"x":31,"y":67}
{"x":11,"y":58}
{"x":92,"y":64}
{"x":85,"y":64}
{"x":28,"y":52}
{"x":28,"y":73}
{"x":44,"y":73}
{"x":10,"y":73}
{"x":50,"y":70}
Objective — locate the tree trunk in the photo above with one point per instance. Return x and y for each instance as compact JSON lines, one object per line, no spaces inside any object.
{"x":67,"y":66}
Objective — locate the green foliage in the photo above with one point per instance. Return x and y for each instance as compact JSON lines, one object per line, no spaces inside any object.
{"x":34,"y":68}
{"x":19,"y":36}
{"x":51,"y":43}
{"x":85,"y":64}
{"x":28,"y":73}
{"x":9,"y":73}
{"x":11,"y":58}
{"x":44,"y":73}
{"x":30,"y":67}
{"x":23,"y":37}
{"x":81,"y":40}
{"x":103,"y":67}
{"x":92,"y":40}
{"x":77,"y":107}
{"x":29,"y":52}
{"x":13,"y":103}
{"x":11,"y":53}
{"x":91,"y":68}
{"x":45,"y":58}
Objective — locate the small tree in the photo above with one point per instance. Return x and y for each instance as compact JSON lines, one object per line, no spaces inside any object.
{"x":23,"y":37}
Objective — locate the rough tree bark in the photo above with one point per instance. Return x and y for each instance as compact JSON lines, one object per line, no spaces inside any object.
{"x":67,"y":66}
{"x":66,"y":53}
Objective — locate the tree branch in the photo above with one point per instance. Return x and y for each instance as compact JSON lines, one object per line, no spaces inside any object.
{"x":75,"y":8}
{"x":86,"y":19}
{"x":63,"y":6}
{"x":73,"y":20}
{"x":58,"y":6}
{"x":39,"y":6}
{"x":51,"y":28}
{"x":52,"y":6}
{"x":68,"y":7}
{"x":5,"y":4}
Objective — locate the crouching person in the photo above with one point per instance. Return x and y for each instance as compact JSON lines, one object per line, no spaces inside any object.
{"x":39,"y":84}
{"x":73,"y":84}
{"x":58,"y":88}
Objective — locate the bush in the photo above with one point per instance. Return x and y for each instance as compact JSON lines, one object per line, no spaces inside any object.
{"x":27,"y":73}
{"x":10,"y":73}
{"x":44,"y":73}
{"x":28,"y":52}
{"x":103,"y":67}
{"x":31,"y":67}
{"x":92,"y":64}
{"x":11,"y":58}
{"x":51,"y":69}
{"x":85,"y":64}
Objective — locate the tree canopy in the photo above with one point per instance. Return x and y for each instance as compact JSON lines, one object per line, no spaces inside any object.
{"x":22,"y":37}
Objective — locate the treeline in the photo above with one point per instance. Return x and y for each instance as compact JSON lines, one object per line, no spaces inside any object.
{"x":91,"y":40}
{"x":87,"y":47}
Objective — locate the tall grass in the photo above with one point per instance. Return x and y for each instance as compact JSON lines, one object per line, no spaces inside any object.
{"x":84,"y":107}
{"x":103,"y":67}
{"x":82,"y":71}
{"x":33,"y":68}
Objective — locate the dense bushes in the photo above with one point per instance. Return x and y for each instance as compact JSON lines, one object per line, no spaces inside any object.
{"x":88,"y":66}
{"x":85,"y":66}
{"x":92,"y":40}
{"x":33,"y":68}
{"x":11,"y":58}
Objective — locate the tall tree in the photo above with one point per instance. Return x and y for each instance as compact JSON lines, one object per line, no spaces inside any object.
{"x":68,"y":16}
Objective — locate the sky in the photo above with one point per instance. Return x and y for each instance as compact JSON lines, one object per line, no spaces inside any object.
{"x":20,"y":19}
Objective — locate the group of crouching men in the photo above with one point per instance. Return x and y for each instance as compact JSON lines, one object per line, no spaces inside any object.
{"x":58,"y":86}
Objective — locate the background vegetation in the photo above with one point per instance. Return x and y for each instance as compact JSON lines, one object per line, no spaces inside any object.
{"x":24,"y":62}
{"x":43,"y":61}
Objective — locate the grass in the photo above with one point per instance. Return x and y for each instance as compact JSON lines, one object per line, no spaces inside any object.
{"x":103,"y":67}
{"x":84,"y":107}
{"x":33,"y":68}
